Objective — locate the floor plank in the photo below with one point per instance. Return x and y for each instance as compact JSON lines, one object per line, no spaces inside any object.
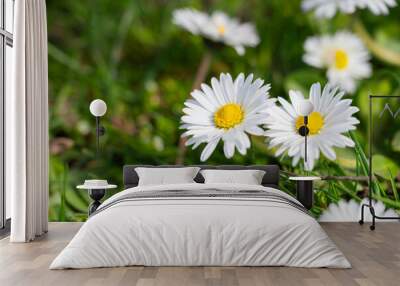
{"x":375,"y":257}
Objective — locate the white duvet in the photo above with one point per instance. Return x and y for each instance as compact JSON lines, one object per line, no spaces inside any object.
{"x":200,"y":231}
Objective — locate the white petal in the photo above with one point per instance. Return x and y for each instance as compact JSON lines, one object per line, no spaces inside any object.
{"x":208,"y":150}
{"x":229,"y":149}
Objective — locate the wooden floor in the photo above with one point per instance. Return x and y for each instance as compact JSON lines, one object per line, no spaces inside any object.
{"x":375,"y":257}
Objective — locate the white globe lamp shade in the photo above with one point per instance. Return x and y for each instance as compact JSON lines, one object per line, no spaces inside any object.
{"x":98,"y":107}
{"x":305,"y":107}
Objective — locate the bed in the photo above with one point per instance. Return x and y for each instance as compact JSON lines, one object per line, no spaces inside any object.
{"x":198,"y":224}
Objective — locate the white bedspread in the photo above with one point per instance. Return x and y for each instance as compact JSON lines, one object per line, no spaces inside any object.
{"x":200,"y":231}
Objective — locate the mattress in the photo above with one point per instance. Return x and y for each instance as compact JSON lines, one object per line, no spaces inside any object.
{"x":201,"y":225}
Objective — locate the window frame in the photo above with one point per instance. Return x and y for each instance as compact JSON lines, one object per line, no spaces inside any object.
{"x":6,"y":39}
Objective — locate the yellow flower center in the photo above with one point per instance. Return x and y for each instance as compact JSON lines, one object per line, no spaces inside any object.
{"x":221,"y":29}
{"x":315,"y":122}
{"x":341,"y":59}
{"x":228,"y":116}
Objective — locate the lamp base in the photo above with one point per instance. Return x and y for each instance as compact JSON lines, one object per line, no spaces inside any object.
{"x":96,"y":195}
{"x":305,"y":193}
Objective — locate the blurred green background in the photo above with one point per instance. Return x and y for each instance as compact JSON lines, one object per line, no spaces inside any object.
{"x":131,"y":55}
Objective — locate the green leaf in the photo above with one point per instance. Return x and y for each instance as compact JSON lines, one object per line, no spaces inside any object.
{"x":394,"y":187}
{"x":360,"y":155}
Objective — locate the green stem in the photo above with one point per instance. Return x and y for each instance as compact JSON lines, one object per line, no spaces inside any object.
{"x":382,"y":53}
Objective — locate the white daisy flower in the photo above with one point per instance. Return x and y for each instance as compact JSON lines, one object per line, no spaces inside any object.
{"x":328,"y":8}
{"x":351,"y":211}
{"x":343,"y":55}
{"x":217,"y":27}
{"x":331,"y":117}
{"x":227,"y":110}
{"x":377,"y":7}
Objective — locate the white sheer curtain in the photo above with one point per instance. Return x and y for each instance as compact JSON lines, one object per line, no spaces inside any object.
{"x":27,"y":124}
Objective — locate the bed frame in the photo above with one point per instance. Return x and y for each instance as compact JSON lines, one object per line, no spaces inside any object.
{"x":270,"y":179}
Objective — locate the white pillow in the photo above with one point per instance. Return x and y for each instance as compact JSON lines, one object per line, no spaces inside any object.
{"x":166,"y":176}
{"x":248,"y":177}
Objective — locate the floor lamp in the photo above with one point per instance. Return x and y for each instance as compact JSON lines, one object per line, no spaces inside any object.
{"x":369,"y":205}
{"x":98,"y":108}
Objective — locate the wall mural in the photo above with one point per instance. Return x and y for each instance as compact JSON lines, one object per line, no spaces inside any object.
{"x":222,"y":82}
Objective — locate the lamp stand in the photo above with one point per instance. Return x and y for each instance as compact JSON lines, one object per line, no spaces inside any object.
{"x":303,"y":131}
{"x":305,"y":137}
{"x":100,"y":130}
